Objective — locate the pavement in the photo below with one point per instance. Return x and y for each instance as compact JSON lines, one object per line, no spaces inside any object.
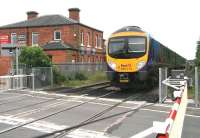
{"x":19,"y":107}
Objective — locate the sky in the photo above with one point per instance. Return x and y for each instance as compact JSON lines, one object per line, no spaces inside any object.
{"x":174,"y":23}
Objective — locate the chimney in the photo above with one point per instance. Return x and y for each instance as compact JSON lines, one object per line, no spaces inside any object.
{"x":74,"y":14}
{"x":31,"y":15}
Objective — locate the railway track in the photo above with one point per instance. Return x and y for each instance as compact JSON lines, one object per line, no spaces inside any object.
{"x":98,"y":117}
{"x":72,"y":92}
{"x":84,"y":91}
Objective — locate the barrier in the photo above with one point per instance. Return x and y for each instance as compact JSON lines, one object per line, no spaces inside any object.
{"x":172,"y":127}
{"x":13,"y":82}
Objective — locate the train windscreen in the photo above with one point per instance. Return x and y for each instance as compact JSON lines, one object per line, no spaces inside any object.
{"x":116,"y":46}
{"x":127,"y":47}
{"x":136,"y":44}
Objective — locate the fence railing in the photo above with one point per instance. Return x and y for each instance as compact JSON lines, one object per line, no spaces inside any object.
{"x":197,"y":83}
{"x":162,"y":88}
{"x":13,"y":82}
{"x":71,"y":68}
{"x":43,"y":77}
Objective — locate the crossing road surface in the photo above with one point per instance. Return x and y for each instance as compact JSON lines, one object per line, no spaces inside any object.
{"x":20,"y":107}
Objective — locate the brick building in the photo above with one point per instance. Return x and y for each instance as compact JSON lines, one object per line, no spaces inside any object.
{"x":63,"y":39}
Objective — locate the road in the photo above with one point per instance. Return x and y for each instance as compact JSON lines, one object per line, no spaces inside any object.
{"x":19,"y":107}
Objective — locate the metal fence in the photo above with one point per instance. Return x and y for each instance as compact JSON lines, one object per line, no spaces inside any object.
{"x":163,"y":92}
{"x":72,"y":68}
{"x":43,"y":77}
{"x":197,"y":84}
{"x":14,"y":82}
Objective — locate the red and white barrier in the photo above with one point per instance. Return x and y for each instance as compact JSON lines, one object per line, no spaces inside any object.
{"x":172,"y":127}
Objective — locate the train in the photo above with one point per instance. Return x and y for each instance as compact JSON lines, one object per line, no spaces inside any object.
{"x":133,"y":57}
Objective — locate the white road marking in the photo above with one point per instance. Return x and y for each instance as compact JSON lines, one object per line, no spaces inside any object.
{"x":110,"y":128}
{"x":13,"y":97}
{"x":143,"y":133}
{"x":48,"y":127}
{"x":46,"y":107}
{"x":36,"y":110}
{"x":105,"y":99}
{"x":166,"y":112}
{"x":169,"y":106}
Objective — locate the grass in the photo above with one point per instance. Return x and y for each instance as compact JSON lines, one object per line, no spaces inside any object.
{"x":91,"y":78}
{"x":191,"y":93}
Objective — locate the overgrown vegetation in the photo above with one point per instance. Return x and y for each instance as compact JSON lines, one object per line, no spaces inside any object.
{"x":84,"y":78}
{"x":197,"y":60}
{"x":58,"y":78}
{"x":34,"y":57}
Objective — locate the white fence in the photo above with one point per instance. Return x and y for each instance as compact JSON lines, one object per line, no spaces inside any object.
{"x":12,"y":82}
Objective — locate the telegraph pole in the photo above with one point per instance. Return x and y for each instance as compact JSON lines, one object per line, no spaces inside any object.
{"x":17,"y":61}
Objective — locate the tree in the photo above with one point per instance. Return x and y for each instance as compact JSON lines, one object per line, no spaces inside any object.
{"x":34,"y":57}
{"x":197,"y":61}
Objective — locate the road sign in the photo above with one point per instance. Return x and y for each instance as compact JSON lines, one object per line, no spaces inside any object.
{"x":4,"y":39}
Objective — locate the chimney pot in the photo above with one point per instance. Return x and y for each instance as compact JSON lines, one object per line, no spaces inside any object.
{"x":74,"y":14}
{"x":31,"y":15}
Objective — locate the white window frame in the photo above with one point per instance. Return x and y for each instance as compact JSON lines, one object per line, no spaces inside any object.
{"x":88,"y":39}
{"x":35,"y":33}
{"x":82,"y":38}
{"x":100,"y":42}
{"x":96,"y":41}
{"x":55,"y":39}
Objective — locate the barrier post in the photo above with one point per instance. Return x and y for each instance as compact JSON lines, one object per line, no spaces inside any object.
{"x":172,"y":127}
{"x":33,"y":81}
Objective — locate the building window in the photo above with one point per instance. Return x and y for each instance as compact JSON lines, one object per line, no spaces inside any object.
{"x":88,"y":39}
{"x":13,"y":38}
{"x":35,"y":39}
{"x":99,"y":42}
{"x":96,"y":41}
{"x":82,"y":39}
{"x":57,"y":35}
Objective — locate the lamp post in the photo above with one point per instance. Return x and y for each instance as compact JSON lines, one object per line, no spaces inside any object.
{"x":17,"y":61}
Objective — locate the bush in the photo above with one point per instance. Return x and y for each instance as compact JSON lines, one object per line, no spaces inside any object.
{"x":58,"y":77}
{"x":80,"y":76}
{"x":34,"y":57}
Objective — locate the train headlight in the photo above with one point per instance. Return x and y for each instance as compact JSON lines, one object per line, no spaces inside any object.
{"x":112,"y":65}
{"x":140,"y":65}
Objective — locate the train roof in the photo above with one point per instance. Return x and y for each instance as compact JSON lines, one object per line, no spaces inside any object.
{"x":129,"y":29}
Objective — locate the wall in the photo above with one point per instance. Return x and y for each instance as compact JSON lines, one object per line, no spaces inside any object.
{"x":58,"y":56}
{"x":71,"y":35}
{"x":5,"y":65}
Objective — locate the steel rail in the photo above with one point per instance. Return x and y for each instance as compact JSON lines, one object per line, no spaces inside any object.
{"x":95,"y":116}
{"x":26,"y":106}
{"x":93,"y":121}
{"x":52,"y":114}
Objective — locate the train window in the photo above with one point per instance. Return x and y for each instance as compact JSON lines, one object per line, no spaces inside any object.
{"x":136,"y":44}
{"x":116,"y":45}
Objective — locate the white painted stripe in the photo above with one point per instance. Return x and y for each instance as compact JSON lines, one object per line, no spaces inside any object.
{"x":48,"y":127}
{"x":82,"y":133}
{"x":175,"y":107}
{"x":169,"y":106}
{"x":166,"y":112}
{"x":41,"y":126}
{"x":122,"y":118}
{"x":143,"y":133}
